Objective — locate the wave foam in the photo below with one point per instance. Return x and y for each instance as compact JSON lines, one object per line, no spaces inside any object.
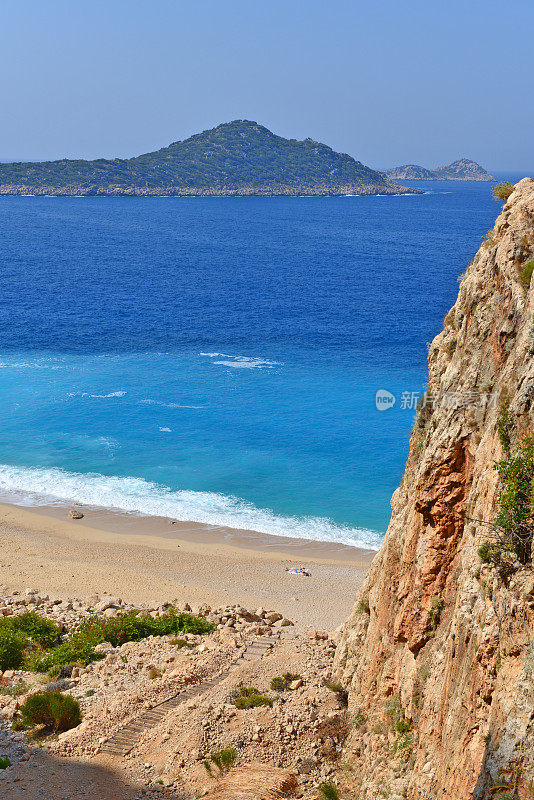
{"x":242,"y":362}
{"x":150,"y":402}
{"x":97,"y":396}
{"x":40,"y":486}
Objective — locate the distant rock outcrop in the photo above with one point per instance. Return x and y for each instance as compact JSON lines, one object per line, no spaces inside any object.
{"x":235,"y":158}
{"x":461,"y":170}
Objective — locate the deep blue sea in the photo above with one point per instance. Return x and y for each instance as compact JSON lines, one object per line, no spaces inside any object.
{"x":217,"y":359}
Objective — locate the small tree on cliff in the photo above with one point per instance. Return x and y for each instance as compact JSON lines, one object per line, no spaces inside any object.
{"x":513,"y":526}
{"x":502,"y":191}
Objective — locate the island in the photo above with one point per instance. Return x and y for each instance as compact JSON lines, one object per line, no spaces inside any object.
{"x":235,"y":158}
{"x":461,"y":170}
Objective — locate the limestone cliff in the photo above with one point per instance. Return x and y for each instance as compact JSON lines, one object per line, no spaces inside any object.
{"x":438,"y":652}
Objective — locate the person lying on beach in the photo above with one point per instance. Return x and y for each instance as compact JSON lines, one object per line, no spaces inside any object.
{"x":299,"y":571}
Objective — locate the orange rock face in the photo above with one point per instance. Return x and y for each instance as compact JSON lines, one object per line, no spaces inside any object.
{"x":438,"y":651}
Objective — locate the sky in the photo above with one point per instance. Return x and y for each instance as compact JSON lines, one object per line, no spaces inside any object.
{"x":387,"y":81}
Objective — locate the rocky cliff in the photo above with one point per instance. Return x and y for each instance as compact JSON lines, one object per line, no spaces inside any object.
{"x":438,"y":652}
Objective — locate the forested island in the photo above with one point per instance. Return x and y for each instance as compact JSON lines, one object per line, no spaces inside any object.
{"x":235,"y":158}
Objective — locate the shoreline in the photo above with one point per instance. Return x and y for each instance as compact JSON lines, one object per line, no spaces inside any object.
{"x":154,"y":559}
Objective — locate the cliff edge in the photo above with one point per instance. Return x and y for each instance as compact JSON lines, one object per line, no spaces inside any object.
{"x":438,"y":653}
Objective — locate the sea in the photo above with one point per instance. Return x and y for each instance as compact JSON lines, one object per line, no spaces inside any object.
{"x":218,"y":359}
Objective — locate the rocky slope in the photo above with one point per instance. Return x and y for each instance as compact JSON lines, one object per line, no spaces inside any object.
{"x":283,"y":748}
{"x":461,"y":170}
{"x":438,"y":651}
{"x":235,"y":158}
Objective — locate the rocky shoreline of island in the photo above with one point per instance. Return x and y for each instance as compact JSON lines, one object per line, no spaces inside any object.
{"x":276,"y":190}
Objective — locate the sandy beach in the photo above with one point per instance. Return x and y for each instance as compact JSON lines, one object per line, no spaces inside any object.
{"x":153,"y":559}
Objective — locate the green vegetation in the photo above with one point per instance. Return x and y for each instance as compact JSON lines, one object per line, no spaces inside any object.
{"x":485,"y":552}
{"x":177,"y":642}
{"x":55,"y":711}
{"x":18,"y":632}
{"x":514,"y":514}
{"x":436,"y":607}
{"x":402,"y":728}
{"x":282,"y":682}
{"x":403,"y":745}
{"x":12,"y":648}
{"x":34,"y":642}
{"x":340,"y":691}
{"x":223,"y":759}
{"x":505,"y":425}
{"x":4,"y":762}
{"x":513,"y":526}
{"x":359,"y":720}
{"x":502,"y":191}
{"x":238,"y":155}
{"x":363,"y":606}
{"x":15,"y":690}
{"x":250,"y":697}
{"x":525,"y":274}
{"x":131,"y":626}
{"x":329,"y":791}
{"x":39,"y":629}
{"x":451,"y":347}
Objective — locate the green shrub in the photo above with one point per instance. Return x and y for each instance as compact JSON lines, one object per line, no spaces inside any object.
{"x":223,"y":759}
{"x":12,"y":648}
{"x":363,"y":606}
{"x":181,"y":643}
{"x":282,"y":682}
{"x":436,"y":607}
{"x":56,"y":711}
{"x":77,"y":648}
{"x":37,"y":628}
{"x":131,"y":626}
{"x":513,"y":521}
{"x":502,"y":191}
{"x":329,"y":791}
{"x":4,"y":762}
{"x":485,"y":552}
{"x":525,"y":274}
{"x":403,"y":746}
{"x":250,"y":697}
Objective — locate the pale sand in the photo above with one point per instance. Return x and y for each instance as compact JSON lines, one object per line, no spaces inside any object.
{"x":150,"y":560}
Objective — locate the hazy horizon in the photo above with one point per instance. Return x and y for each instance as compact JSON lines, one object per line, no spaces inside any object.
{"x":388,"y":85}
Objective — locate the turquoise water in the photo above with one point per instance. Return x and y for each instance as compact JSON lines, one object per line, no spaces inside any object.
{"x":217,"y":359}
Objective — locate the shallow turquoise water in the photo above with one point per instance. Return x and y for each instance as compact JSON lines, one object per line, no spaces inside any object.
{"x":217,"y":359}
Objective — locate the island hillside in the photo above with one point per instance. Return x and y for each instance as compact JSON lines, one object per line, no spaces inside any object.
{"x":461,"y":170}
{"x":235,"y":158}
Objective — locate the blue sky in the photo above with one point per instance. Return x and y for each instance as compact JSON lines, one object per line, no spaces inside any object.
{"x":389,"y":81}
